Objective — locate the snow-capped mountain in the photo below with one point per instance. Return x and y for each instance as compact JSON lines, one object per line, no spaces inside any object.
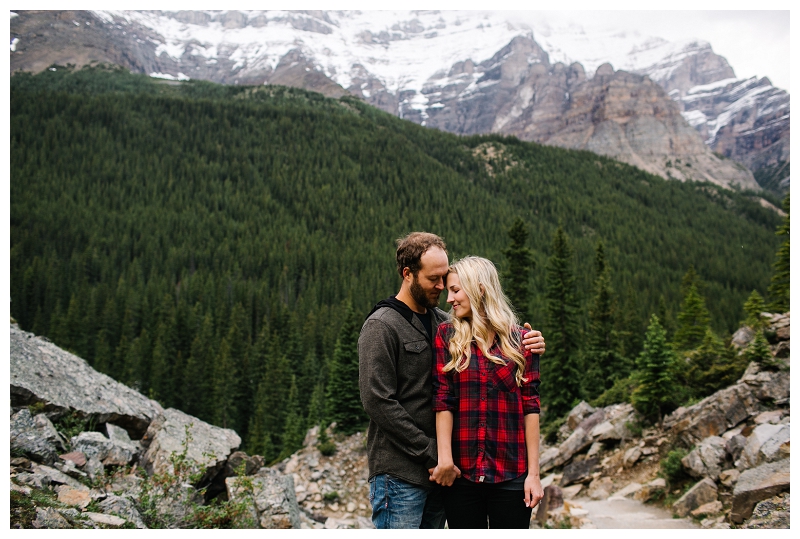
{"x":465,"y":72}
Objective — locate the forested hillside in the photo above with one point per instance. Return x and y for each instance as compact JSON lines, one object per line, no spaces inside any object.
{"x":202,"y":243}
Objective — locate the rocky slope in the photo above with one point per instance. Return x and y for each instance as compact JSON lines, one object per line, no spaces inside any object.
{"x":74,"y":466}
{"x":458,"y":71}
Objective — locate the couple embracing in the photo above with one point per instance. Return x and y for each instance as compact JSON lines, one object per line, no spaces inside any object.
{"x":453,"y":399}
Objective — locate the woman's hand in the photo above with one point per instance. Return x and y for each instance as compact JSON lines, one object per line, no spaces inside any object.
{"x":533,"y":490}
{"x":444,"y":474}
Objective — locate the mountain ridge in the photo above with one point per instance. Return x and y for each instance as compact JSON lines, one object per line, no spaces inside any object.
{"x":393,"y":60}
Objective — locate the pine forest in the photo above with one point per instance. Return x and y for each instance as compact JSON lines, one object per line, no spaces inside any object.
{"x":218,"y":247}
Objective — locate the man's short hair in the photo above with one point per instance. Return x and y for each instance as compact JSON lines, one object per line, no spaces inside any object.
{"x":411,"y":248}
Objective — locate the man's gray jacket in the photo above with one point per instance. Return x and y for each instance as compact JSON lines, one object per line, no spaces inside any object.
{"x":395,"y":358}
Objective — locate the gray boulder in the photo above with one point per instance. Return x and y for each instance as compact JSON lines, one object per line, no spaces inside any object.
{"x":577,"y":414}
{"x":122,"y":507}
{"x":770,"y":514}
{"x":109,"y":452}
{"x":742,"y":337}
{"x":703,"y":492}
{"x":751,"y":455}
{"x":777,"y":447}
{"x":576,"y":472}
{"x":43,"y":372}
{"x":577,"y":442}
{"x":707,"y":459}
{"x":207,"y":449}
{"x":757,"y":484}
{"x":36,"y":437}
{"x":274,"y":501}
{"x":49,"y":518}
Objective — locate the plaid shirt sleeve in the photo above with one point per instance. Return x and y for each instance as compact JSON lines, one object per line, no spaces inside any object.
{"x":530,"y":388}
{"x":444,"y":397}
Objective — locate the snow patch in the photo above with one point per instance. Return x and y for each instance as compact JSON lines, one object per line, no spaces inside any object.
{"x":167,"y":76}
{"x":694,"y":117}
{"x":14,"y":44}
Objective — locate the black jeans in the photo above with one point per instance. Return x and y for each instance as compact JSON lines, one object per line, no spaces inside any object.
{"x":479,"y":505}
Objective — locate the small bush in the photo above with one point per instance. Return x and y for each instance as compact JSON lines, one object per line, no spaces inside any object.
{"x":619,"y":392}
{"x":331,"y":496}
{"x":327,"y":448}
{"x":671,"y":467}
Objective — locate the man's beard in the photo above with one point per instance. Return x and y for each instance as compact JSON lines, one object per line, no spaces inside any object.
{"x":421,"y":297}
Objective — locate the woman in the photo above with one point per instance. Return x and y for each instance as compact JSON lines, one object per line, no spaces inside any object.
{"x":486,"y":398}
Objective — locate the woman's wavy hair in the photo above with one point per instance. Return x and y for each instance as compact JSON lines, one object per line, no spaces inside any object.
{"x":491,"y":312}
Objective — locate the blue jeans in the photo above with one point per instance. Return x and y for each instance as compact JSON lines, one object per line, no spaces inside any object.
{"x":400,"y":505}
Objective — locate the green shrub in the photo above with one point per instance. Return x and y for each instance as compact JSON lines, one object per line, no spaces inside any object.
{"x":619,"y":392}
{"x":331,"y":496}
{"x":671,"y":467}
{"x":327,"y":448}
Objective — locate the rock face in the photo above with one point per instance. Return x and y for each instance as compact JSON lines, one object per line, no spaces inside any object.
{"x":43,"y":372}
{"x":208,"y":446}
{"x":758,"y":484}
{"x":770,"y":514}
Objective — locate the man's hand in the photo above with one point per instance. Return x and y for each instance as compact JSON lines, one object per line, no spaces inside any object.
{"x":533,"y":490}
{"x":533,"y":340}
{"x":444,"y":474}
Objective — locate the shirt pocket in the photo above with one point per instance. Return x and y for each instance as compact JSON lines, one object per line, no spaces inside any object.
{"x":415,"y":347}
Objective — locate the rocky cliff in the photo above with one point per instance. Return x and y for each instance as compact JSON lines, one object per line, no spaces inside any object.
{"x":450,"y":71}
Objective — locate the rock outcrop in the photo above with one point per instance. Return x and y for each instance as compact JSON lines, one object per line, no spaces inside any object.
{"x":41,"y":372}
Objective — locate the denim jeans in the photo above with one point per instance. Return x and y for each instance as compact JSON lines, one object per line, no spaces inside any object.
{"x":400,"y":505}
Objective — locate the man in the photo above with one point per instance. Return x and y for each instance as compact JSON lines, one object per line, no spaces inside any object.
{"x":395,"y":356}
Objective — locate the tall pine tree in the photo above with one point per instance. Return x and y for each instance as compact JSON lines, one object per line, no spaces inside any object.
{"x":694,"y":319}
{"x":602,"y":360}
{"x":520,"y":265}
{"x":561,"y":377}
{"x":655,"y":374}
{"x":779,"y":287}
{"x":344,"y":399}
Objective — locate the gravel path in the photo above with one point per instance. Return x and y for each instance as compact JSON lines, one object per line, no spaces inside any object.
{"x":623,"y":513}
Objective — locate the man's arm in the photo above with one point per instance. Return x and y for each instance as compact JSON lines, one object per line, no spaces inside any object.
{"x":533,"y":340}
{"x":378,"y":347}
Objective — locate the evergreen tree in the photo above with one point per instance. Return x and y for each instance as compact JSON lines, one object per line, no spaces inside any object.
{"x":779,"y":286}
{"x":753,"y":308}
{"x":317,"y":407}
{"x":563,"y":372}
{"x":629,"y":327}
{"x":344,"y":399}
{"x":520,"y":265}
{"x":269,"y":413}
{"x":655,"y":374}
{"x":603,"y":362}
{"x":225,"y":396}
{"x":197,"y":379}
{"x":694,"y":319}
{"x":758,"y":351}
{"x":294,"y":431}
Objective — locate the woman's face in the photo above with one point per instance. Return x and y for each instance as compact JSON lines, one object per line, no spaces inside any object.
{"x":457,"y":298}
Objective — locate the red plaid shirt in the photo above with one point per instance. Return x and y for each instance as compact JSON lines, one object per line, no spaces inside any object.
{"x":488,"y":409}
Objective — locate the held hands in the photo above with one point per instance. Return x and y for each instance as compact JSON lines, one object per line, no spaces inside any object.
{"x":533,"y":490}
{"x":533,"y":340}
{"x":444,"y":474}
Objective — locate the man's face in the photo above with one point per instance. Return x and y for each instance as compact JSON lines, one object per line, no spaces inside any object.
{"x":428,"y":283}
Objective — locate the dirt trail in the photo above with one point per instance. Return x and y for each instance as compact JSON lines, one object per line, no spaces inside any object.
{"x":624,"y":513}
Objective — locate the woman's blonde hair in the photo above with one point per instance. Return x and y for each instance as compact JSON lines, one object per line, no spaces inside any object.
{"x":491,"y":312}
